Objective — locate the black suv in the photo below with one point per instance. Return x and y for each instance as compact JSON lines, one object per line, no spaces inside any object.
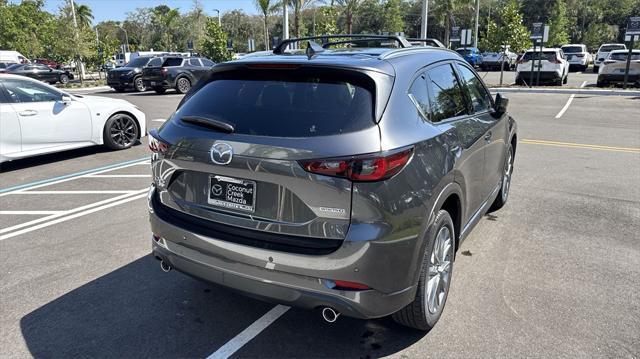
{"x":130,"y":75}
{"x":175,"y":72}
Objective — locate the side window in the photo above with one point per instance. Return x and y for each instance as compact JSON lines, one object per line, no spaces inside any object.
{"x":419,"y":95}
{"x":172,"y":61}
{"x":445,"y":94}
{"x":207,"y":62}
{"x":155,"y":62}
{"x":194,"y":62}
{"x":480,"y":98}
{"x":27,"y":91}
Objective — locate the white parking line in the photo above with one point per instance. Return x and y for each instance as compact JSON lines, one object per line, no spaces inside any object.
{"x":72,"y":216}
{"x":117,"y":176}
{"x":35,"y":213}
{"x":81,"y":208}
{"x":78,"y":192}
{"x":566,"y":106}
{"x":159,"y":120}
{"x":584,"y":83}
{"x":249,"y":333}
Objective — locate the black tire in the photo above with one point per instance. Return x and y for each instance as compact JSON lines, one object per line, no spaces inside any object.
{"x":120,"y":132}
{"x":119,"y":89}
{"x":417,"y":314}
{"x":183,"y":85}
{"x":566,"y":79}
{"x":159,"y":90}
{"x":601,"y":84}
{"x":595,"y":69}
{"x":519,"y":81}
{"x":138,"y":84}
{"x":505,"y":185}
{"x":64,"y":79}
{"x":584,"y":68}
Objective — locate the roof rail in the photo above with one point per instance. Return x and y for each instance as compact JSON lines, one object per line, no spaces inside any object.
{"x":427,"y":41}
{"x":405,"y":51}
{"x":402,"y":42}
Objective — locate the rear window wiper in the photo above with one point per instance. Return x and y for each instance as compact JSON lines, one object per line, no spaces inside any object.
{"x":209,"y":122}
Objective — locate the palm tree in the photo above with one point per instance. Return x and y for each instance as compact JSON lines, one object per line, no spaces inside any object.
{"x":350,"y":8}
{"x":84,"y":15}
{"x":266,"y":7}
{"x":298,"y":6}
{"x":444,"y":11}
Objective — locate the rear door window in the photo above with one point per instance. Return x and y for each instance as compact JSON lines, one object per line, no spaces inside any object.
{"x":480,"y":98}
{"x":281,"y":104}
{"x":195,"y":62}
{"x":445,"y":94}
{"x":207,"y":62}
{"x":155,"y":62}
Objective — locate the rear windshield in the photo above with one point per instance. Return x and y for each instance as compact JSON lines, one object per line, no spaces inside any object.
{"x":623,"y":56}
{"x":285,"y":103}
{"x":546,"y":55}
{"x":571,"y":49}
{"x":138,"y":62}
{"x":464,"y":52}
{"x":612,"y":47}
{"x":172,"y":61}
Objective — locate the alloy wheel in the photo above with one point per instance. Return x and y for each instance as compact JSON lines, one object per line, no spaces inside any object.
{"x":439,"y":271}
{"x":506,"y":176}
{"x":140,"y":87}
{"x":123,"y":131}
{"x":184,"y":85}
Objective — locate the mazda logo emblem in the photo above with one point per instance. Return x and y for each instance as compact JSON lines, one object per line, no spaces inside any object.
{"x":221,"y":153}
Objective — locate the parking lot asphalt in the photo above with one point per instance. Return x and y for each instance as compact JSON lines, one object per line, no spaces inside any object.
{"x":556,"y":273}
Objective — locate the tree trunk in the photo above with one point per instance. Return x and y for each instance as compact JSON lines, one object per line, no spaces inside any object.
{"x":266,"y":34}
{"x":349,"y":22}
{"x":296,"y":21}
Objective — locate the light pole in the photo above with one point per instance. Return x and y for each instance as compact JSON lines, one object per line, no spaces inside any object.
{"x":475,"y":41}
{"x":285,"y":20}
{"x":425,"y":14}
{"x":126,"y":37}
{"x":219,"y":21}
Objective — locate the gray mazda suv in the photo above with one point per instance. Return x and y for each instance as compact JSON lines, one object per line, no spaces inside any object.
{"x":341,"y":178}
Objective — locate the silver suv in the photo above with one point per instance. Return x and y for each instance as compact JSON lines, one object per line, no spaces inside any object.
{"x":340,"y":178}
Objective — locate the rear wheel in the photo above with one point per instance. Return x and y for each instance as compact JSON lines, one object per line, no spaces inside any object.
{"x":595,"y":69}
{"x":506,"y":182}
{"x":120,"y":132}
{"x":566,"y":79}
{"x":138,"y":84}
{"x":64,"y":79}
{"x":435,"y":277}
{"x":159,"y":90}
{"x":183,"y":85}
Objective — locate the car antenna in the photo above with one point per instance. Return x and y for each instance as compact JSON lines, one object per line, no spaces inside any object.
{"x":313,"y":48}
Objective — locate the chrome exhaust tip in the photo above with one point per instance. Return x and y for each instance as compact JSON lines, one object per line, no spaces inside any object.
{"x":330,"y":315}
{"x":166,"y":267}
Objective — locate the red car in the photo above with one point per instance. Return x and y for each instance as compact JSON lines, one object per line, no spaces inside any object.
{"x":52,"y":64}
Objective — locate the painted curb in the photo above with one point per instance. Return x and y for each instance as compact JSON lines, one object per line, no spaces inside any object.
{"x":573,"y":91}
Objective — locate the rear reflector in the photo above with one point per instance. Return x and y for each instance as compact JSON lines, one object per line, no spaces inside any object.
{"x":366,"y":168}
{"x":346,"y":285}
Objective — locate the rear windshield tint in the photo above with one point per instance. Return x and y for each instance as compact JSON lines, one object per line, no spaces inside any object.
{"x":281,"y":104}
{"x":612,"y":47}
{"x":546,"y":55}
{"x":172,"y":61}
{"x":571,"y":49}
{"x":623,"y":56}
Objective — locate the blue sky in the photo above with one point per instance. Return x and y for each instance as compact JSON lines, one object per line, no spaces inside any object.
{"x":117,"y":9}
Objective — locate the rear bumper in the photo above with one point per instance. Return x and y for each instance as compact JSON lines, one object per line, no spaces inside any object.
{"x":544,"y":75}
{"x":617,"y":78}
{"x":155,"y":82}
{"x":293,"y":279}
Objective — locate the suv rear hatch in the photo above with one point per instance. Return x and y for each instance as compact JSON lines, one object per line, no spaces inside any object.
{"x":268,"y":121}
{"x":159,"y":73}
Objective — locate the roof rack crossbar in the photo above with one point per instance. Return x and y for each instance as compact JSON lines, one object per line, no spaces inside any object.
{"x":402,"y":42}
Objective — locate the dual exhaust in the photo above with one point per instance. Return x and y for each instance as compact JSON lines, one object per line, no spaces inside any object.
{"x":330,"y":315}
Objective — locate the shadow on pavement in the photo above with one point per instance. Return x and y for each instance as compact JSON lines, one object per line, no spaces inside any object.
{"x":51,"y":158}
{"x":138,"y":311}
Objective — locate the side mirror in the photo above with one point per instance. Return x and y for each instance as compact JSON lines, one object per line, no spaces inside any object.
{"x":501,"y":104}
{"x":66,"y":100}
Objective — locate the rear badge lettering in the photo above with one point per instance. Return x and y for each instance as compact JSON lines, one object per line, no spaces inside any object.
{"x":333,"y":210}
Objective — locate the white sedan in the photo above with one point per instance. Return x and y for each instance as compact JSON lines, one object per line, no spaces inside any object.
{"x":36,"y":118}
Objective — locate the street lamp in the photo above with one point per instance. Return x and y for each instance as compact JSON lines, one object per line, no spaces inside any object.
{"x":219,"y":21}
{"x":126,"y":36}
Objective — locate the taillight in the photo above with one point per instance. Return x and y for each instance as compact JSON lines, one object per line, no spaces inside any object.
{"x":580,"y":55}
{"x":164,"y":70}
{"x":156,"y":144}
{"x":556,"y":61}
{"x":365,"y":168}
{"x":608,"y":62}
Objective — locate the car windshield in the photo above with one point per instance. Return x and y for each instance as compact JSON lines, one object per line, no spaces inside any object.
{"x":464,"y":52}
{"x":622,"y":56}
{"x":612,"y":47}
{"x":281,"y":104}
{"x":571,"y":49}
{"x":546,"y":55}
{"x":138,"y":62}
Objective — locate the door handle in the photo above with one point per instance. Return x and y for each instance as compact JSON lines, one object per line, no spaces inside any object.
{"x":28,"y":113}
{"x":487,"y":137}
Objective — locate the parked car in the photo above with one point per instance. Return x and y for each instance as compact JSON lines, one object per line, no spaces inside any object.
{"x":613,"y":68}
{"x":49,"y":63}
{"x":38,"y":119}
{"x":130,"y":76}
{"x":343,"y":183}
{"x":41,"y":72}
{"x":603,"y":53}
{"x":13,"y":57}
{"x":175,"y":72}
{"x":4,"y":65}
{"x":554,"y":68}
{"x":577,"y":55}
{"x":471,"y":54}
{"x":494,"y":60}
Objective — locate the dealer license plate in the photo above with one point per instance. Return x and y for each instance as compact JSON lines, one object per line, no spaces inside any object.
{"x":232,"y":193}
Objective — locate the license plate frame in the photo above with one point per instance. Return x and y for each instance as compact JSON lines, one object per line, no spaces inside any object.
{"x":241,"y":196}
{"x":153,"y":83}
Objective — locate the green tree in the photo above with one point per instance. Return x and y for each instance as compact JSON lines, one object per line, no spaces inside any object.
{"x":327,"y":21}
{"x":368,"y":17}
{"x":490,"y":39}
{"x":512,"y":31}
{"x":214,"y":45}
{"x":266,"y":7}
{"x":392,"y":20}
{"x":558,"y":24}
{"x":349,"y":8}
{"x":84,"y":15}
{"x":598,"y":34}
{"x":445,"y":12}
{"x":298,"y":6}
